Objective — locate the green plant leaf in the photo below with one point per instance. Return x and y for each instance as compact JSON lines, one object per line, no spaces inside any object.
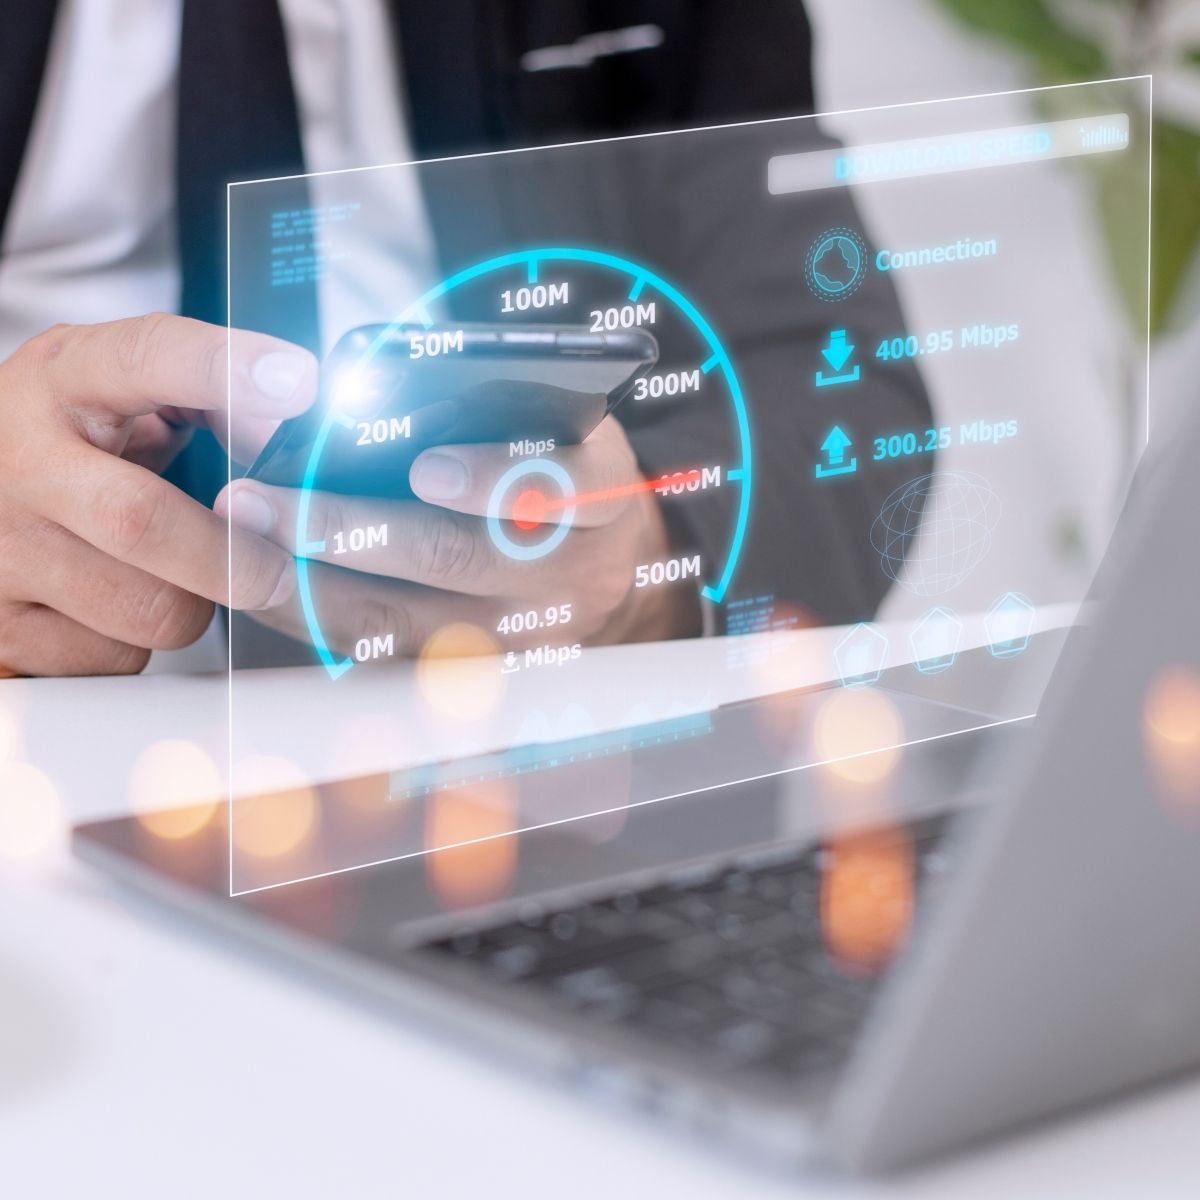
{"x":1061,"y":56}
{"x":1175,"y":215}
{"x":1122,"y":206}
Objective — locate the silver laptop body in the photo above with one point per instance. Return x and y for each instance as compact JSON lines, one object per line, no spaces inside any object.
{"x":1061,"y":964}
{"x":1056,"y":965}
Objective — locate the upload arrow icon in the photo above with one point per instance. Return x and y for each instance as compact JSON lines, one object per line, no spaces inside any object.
{"x":838,"y":354}
{"x":834,"y":448}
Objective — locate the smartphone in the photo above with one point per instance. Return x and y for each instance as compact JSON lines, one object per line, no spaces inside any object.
{"x":400,"y":390}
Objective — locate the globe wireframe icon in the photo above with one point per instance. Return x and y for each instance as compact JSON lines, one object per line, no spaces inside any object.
{"x":836,"y":264}
{"x":935,"y":530}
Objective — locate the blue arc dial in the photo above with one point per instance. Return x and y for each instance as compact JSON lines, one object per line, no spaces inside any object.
{"x":640,"y":284}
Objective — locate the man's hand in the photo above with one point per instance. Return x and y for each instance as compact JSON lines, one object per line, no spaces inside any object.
{"x":101,"y":561}
{"x":440,"y":566}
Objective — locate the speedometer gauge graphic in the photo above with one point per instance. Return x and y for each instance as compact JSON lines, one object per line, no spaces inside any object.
{"x":534,"y":503}
{"x":532,"y":509}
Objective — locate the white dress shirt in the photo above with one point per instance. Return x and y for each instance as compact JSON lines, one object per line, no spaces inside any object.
{"x":91,"y":231}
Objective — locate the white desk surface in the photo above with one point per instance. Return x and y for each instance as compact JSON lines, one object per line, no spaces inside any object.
{"x":139,"y":1061}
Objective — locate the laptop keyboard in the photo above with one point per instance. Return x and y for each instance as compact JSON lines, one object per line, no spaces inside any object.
{"x":731,"y":963}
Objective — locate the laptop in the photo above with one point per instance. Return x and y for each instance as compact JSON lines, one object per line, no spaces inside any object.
{"x":1046,"y":875}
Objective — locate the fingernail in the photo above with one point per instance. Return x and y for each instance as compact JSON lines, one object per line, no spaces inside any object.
{"x":438,"y":477}
{"x":278,"y":375}
{"x":248,"y":510}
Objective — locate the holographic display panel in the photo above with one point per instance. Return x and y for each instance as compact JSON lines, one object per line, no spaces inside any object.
{"x":612,"y":434}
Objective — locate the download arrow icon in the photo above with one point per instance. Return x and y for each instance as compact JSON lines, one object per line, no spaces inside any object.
{"x":839,"y":351}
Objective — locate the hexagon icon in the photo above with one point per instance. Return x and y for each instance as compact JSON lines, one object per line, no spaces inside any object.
{"x":1009,"y":624}
{"x":935,"y":641}
{"x":859,"y":656}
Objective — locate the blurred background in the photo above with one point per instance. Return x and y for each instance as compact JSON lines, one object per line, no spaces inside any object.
{"x":874,"y":54}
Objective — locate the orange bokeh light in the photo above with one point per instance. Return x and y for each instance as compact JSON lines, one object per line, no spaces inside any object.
{"x":278,"y":812}
{"x":789,"y":661}
{"x":175,"y":789}
{"x":1171,"y":734}
{"x":867,"y":897}
{"x":457,"y":672}
{"x":857,"y":733}
{"x":32,"y":822}
{"x":473,"y":849}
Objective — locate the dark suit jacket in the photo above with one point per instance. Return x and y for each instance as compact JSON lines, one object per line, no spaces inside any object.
{"x":741,"y":252}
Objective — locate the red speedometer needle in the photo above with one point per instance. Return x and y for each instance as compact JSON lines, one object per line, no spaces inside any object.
{"x":532,"y":507}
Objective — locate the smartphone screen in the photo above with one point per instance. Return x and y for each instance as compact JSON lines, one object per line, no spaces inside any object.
{"x":396,"y":391}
